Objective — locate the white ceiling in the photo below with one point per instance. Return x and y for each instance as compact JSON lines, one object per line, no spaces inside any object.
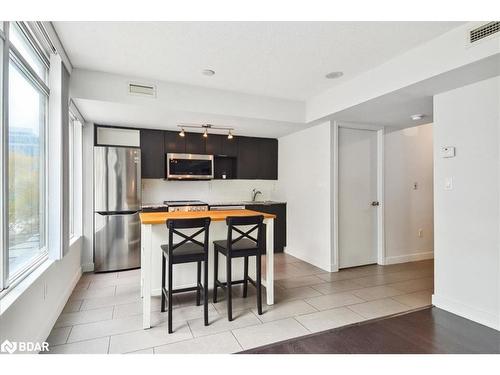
{"x":395,"y":109}
{"x":141,"y":116}
{"x":278,"y":59}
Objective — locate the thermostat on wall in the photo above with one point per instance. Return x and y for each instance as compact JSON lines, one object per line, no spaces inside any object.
{"x":447,"y":152}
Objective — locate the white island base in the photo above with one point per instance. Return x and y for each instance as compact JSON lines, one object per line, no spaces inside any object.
{"x":184,"y":275}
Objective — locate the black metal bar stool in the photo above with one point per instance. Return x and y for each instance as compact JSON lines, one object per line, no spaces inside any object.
{"x":189,"y":250}
{"x":243,"y":246}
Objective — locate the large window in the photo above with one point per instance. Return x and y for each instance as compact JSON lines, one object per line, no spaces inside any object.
{"x":27,"y":125}
{"x":26,"y":154}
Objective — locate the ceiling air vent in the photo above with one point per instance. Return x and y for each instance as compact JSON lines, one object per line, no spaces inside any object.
{"x":142,"y":90}
{"x":484,"y":31}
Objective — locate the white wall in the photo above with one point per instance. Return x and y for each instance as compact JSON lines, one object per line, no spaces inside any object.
{"x":33,"y":309}
{"x":408,"y":160}
{"x":467,"y":253}
{"x":304,"y":164}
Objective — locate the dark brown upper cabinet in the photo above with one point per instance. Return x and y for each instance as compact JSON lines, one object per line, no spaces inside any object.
{"x":195,"y":143}
{"x":237,"y":158}
{"x":229,"y":146}
{"x":174,"y":142}
{"x":213,"y":145}
{"x":257,"y":158}
{"x":220,"y":145}
{"x":152,"y":153}
{"x":268,"y":159}
{"x":248,"y":158}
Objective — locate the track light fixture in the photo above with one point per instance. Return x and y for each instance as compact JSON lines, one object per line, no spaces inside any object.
{"x":206,"y":127}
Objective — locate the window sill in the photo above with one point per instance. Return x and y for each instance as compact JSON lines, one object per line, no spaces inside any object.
{"x":13,"y":292}
{"x":74,"y":239}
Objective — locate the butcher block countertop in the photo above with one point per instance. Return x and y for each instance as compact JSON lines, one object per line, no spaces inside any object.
{"x":161,"y":217}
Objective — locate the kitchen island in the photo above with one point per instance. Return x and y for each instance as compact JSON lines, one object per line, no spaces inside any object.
{"x":154,"y":233}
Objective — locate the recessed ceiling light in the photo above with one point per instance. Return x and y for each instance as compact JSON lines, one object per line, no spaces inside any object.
{"x":333,"y":75}
{"x":417,"y":117}
{"x":208,"y":72}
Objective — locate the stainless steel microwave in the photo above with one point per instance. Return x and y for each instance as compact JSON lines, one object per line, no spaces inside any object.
{"x":190,"y":167}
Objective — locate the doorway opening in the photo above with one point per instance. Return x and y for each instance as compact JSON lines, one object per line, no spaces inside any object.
{"x":383,"y":195}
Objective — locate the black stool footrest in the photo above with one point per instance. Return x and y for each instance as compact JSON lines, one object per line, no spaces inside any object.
{"x":183,"y":290}
{"x":223,"y":285}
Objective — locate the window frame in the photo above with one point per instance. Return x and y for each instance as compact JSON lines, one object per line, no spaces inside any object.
{"x":11,"y":54}
{"x":77,"y":124}
{"x":4,"y":252}
{"x":71,"y":175}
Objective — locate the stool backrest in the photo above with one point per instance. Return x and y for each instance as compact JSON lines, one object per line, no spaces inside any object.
{"x":174,"y":224}
{"x":233,"y":222}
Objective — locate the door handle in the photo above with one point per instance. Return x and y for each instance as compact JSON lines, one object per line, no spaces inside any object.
{"x":375,"y":204}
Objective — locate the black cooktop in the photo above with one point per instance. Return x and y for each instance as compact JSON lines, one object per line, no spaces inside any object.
{"x":185,"y":203}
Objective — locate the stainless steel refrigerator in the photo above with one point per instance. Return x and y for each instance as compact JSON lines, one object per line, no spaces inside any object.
{"x":117,"y":201}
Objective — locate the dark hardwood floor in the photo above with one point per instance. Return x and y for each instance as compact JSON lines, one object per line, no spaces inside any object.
{"x":426,"y":331}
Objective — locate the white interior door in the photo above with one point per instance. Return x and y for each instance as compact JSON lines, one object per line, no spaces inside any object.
{"x":357,"y":171}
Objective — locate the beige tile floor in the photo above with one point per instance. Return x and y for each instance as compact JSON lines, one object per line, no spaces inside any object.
{"x":104,"y":315}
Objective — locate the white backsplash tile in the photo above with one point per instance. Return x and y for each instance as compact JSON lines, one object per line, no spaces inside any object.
{"x":159,"y":190}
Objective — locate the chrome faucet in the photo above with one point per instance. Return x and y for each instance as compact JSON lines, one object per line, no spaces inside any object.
{"x":255,"y":192}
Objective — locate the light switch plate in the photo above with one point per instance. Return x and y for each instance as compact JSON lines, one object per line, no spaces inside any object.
{"x":448,"y":183}
{"x":447,"y":152}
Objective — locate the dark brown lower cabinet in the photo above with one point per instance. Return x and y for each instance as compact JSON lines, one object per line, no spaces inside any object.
{"x":278,"y":209}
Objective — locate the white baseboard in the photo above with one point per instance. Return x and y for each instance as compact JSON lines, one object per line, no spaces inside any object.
{"x":308,"y":260}
{"x":88,"y":267}
{"x":482,"y":317}
{"x":51,"y":320}
{"x":409,"y":257}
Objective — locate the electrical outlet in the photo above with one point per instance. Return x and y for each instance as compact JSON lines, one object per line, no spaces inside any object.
{"x":420,"y":233}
